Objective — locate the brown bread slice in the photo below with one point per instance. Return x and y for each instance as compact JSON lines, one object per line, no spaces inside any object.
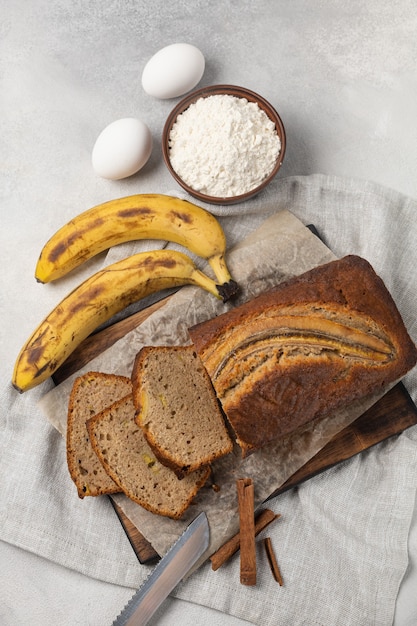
{"x":90,"y":394}
{"x":122,"y":448}
{"x":302,"y":350}
{"x":177,"y":408}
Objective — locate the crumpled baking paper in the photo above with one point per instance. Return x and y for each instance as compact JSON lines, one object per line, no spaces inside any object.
{"x":280,"y":248}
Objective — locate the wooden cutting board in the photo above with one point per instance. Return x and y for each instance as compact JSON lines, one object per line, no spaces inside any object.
{"x":388,"y":417}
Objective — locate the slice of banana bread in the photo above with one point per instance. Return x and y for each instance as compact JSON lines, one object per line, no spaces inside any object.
{"x":90,"y":394}
{"x":177,"y":409}
{"x":122,"y":448}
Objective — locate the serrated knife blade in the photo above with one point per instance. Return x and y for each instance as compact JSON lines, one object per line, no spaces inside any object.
{"x":170,"y":570}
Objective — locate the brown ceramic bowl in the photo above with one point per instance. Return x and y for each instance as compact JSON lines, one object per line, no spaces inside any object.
{"x":238,"y":92}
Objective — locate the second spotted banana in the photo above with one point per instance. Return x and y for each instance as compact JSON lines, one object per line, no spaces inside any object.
{"x":140,"y":216}
{"x":95,"y":301}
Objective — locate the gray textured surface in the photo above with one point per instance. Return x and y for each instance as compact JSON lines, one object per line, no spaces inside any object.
{"x":343,"y":76}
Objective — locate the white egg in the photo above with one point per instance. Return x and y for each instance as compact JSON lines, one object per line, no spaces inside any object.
{"x":122,"y":148}
{"x":173,"y":71}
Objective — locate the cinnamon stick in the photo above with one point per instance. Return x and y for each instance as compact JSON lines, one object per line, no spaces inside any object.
{"x":273,"y":561}
{"x":228,"y":549}
{"x":245,"y":494}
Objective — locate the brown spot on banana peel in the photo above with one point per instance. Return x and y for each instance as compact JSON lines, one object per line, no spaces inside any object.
{"x":35,"y":353}
{"x":37,"y":347}
{"x":143,"y":211}
{"x":183,"y":217}
{"x":56,"y":252}
{"x":151,"y":263}
{"x":137,"y":211}
{"x":51,"y":366}
{"x":90,"y":295}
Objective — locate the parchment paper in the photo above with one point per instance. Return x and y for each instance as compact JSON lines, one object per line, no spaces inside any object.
{"x":281,"y":248}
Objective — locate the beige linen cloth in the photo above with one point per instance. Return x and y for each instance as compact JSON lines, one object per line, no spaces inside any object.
{"x":342,"y":539}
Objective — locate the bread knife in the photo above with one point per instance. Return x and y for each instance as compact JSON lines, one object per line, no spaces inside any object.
{"x":170,"y":570}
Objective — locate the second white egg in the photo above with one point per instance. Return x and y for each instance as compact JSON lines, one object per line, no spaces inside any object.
{"x":173,"y":71}
{"x":122,"y":148}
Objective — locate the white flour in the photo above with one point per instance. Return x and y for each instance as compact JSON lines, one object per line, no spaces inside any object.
{"x":223,"y":145}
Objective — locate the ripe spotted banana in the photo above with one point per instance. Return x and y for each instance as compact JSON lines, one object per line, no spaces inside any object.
{"x":140,"y":216}
{"x":95,"y":301}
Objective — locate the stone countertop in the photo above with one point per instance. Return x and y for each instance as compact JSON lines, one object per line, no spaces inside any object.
{"x":343,"y":77}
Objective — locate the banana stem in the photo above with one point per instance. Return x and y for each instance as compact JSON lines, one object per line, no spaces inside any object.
{"x":207,"y":283}
{"x":228,"y":290}
{"x":228,"y":287}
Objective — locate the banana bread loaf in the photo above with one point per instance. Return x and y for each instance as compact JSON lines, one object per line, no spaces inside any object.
{"x":90,"y":394}
{"x":121,"y":447}
{"x":303,"y":349}
{"x":177,"y":408}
